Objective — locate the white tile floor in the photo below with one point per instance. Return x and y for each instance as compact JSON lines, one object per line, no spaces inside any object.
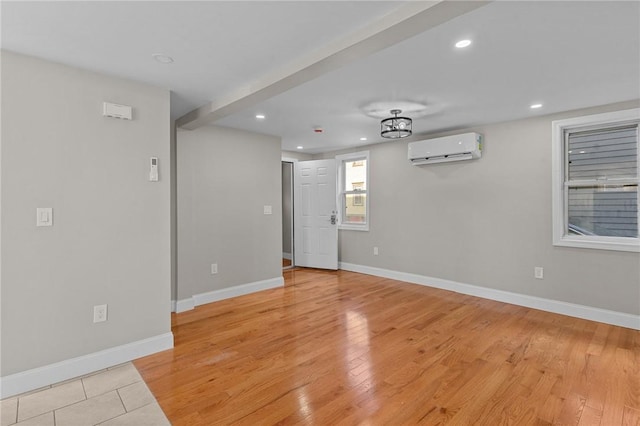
{"x":114,"y":397}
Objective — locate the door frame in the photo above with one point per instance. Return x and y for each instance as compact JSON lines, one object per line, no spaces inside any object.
{"x":292,"y":230}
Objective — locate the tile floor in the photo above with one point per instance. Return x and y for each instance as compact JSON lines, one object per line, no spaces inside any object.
{"x":114,"y":397}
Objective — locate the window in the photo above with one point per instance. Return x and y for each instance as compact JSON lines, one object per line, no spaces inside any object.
{"x":595,"y":181}
{"x":353,"y":188}
{"x":358,"y":199}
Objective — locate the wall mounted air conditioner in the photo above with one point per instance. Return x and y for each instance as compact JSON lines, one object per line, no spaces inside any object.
{"x":466,"y":146}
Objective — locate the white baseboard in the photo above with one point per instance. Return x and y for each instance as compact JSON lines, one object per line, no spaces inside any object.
{"x":286,"y":256}
{"x":570,"y":309}
{"x":227,"y":293}
{"x":36,"y":378}
{"x":185,"y":305}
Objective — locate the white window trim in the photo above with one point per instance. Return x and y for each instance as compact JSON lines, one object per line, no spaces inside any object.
{"x":339,"y":160}
{"x":559,"y":127}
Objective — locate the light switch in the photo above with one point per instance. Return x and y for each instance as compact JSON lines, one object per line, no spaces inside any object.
{"x":44,"y":216}
{"x":267,"y":210}
{"x":538,"y":272}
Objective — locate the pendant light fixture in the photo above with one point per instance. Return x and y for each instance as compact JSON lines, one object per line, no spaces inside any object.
{"x":395,"y":127}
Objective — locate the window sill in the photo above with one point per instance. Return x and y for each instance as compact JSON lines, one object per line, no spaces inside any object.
{"x":631,"y":245}
{"x":347,"y":227}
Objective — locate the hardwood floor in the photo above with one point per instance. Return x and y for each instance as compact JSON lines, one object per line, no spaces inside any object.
{"x":344,"y":348}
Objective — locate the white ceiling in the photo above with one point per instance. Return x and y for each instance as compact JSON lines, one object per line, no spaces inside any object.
{"x":566,"y":55}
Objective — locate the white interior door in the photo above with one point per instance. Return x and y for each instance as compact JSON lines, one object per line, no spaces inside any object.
{"x":315,"y":227}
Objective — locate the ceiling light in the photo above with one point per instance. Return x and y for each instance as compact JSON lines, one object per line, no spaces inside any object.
{"x":395,"y":127}
{"x":463,"y":43}
{"x":363,"y":139}
{"x":162,"y":58}
{"x":299,"y":147}
{"x":260,"y":116}
{"x":536,"y":106}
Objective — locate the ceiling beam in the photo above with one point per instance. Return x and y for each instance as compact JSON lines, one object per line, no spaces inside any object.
{"x":411,"y":19}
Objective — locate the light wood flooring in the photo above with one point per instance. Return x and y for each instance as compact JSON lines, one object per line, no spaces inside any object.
{"x":344,"y":348}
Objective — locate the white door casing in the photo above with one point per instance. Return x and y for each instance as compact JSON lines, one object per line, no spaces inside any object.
{"x":315,"y":233}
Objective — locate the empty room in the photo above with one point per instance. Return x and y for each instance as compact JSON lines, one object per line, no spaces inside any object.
{"x":319,"y":213}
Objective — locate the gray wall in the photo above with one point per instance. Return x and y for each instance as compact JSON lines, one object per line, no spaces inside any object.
{"x":487,"y":222}
{"x":225,"y":177}
{"x":110,"y":242}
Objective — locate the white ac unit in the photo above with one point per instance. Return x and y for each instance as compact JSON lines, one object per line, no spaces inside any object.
{"x":466,"y":146}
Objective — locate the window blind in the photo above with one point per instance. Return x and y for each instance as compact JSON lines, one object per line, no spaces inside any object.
{"x":603,"y":154}
{"x":603,"y":207}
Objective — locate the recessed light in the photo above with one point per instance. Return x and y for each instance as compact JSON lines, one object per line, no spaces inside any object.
{"x":260,"y":116}
{"x":463,"y":43}
{"x":535,"y":106}
{"x":363,"y":139}
{"x":299,"y":147}
{"x":162,"y":58}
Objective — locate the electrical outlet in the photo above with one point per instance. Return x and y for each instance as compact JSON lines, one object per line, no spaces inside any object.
{"x":375,"y":251}
{"x":99,"y":313}
{"x":538,"y":272}
{"x":214,"y":268}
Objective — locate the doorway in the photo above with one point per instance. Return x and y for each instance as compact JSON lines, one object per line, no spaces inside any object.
{"x":315,"y":224}
{"x":287,"y":215}
{"x":309,"y":225}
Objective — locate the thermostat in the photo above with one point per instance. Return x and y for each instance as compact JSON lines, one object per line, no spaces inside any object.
{"x":153,"y":171}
